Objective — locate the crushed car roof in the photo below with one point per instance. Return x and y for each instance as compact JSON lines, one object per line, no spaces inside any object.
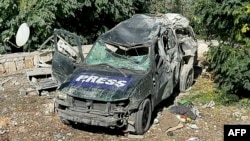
{"x":143,"y":30}
{"x":176,"y":20}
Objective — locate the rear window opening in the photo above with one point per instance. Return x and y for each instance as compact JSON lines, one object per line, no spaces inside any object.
{"x":126,"y":51}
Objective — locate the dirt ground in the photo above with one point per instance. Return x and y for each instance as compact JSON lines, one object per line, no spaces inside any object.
{"x":31,"y":118}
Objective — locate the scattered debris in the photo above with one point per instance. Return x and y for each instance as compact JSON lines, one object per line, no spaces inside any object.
{"x":170,"y":130}
{"x":4,"y":121}
{"x":196,"y":112}
{"x":156,"y":121}
{"x":33,"y":80}
{"x":69,"y":134}
{"x":47,"y":85}
{"x":210,"y":104}
{"x":41,"y":79}
{"x":44,"y":93}
{"x":14,"y":123}
{"x":15,"y":83}
{"x":38,"y":72}
{"x":2,"y":131}
{"x":244,"y":118}
{"x":1,"y":88}
{"x":4,"y":81}
{"x":185,"y":102}
{"x":32,"y":93}
{"x":193,"y":139}
{"x":237,"y":114}
{"x":58,"y":136}
{"x":1,"y":99}
{"x":166,"y":124}
{"x":22,"y":92}
{"x":30,"y":89}
{"x":43,"y":59}
{"x":48,"y":108}
{"x":192,"y":126}
{"x":135,"y":136}
{"x":170,"y":133}
{"x":183,"y":110}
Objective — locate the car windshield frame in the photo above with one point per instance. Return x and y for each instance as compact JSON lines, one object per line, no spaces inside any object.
{"x":104,"y":53}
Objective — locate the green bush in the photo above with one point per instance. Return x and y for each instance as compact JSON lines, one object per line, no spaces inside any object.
{"x":228,"y":20}
{"x":232,"y":67}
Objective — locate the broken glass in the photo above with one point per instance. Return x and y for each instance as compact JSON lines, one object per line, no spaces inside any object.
{"x":118,"y":57}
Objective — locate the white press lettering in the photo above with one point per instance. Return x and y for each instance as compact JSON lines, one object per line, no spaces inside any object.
{"x":82,"y":78}
{"x":110,"y":82}
{"x":101,"y":80}
{"x":92,"y":79}
{"x":121,"y":83}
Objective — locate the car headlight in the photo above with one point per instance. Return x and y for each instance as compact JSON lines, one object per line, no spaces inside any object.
{"x":61,"y":95}
{"x":119,"y":106}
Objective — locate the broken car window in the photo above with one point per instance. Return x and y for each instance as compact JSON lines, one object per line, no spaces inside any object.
{"x":118,"y":57}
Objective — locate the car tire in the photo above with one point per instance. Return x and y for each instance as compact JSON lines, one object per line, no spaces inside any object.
{"x":143,"y":117}
{"x":186,"y":77}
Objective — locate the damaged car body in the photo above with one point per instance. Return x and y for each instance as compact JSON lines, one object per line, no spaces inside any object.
{"x":128,"y":71}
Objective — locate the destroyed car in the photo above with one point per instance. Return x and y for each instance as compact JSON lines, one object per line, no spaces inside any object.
{"x":129,"y":70}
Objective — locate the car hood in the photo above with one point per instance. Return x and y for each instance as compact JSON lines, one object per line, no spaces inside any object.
{"x":104,"y":85}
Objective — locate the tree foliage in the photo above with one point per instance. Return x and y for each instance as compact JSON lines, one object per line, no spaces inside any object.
{"x":40,"y":15}
{"x":88,"y":18}
{"x":98,"y":16}
{"x":226,"y":19}
{"x":184,"y":7}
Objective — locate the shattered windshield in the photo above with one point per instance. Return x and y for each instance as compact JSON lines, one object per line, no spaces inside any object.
{"x":118,"y":57}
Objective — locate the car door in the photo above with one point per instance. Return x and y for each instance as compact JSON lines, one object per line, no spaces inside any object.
{"x":167,"y":62}
{"x":65,"y":56}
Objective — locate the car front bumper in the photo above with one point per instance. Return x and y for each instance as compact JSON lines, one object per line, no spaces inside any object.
{"x":91,"y":119}
{"x":94,"y":117}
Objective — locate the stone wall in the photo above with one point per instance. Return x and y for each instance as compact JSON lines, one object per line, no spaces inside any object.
{"x":10,"y":63}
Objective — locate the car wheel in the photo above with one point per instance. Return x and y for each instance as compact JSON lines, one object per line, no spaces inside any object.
{"x":186,"y":77}
{"x":143,"y":117}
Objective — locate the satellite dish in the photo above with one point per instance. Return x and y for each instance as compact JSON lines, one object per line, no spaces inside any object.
{"x":22,"y":35}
